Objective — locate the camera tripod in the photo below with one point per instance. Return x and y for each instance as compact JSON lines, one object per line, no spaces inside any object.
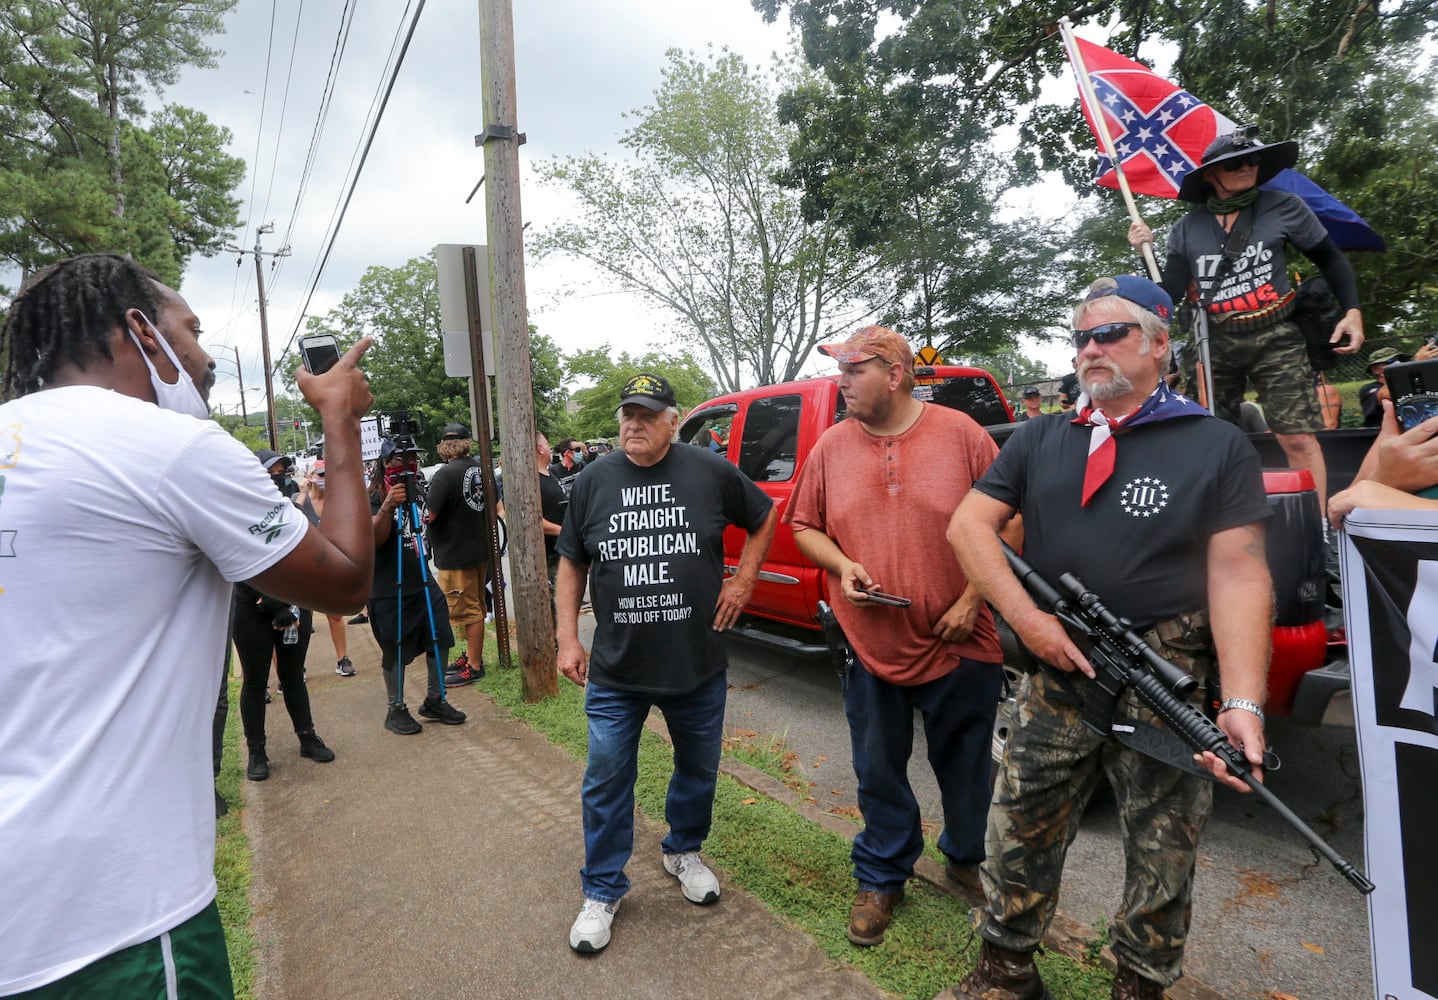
{"x":408,"y":529}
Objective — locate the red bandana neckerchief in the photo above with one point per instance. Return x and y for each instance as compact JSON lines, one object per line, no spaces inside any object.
{"x":1162,"y":404}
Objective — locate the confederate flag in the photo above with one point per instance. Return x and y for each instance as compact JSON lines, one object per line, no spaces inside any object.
{"x":1159,"y":130}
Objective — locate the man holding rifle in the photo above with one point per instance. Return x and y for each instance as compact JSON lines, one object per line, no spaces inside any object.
{"x":1159,"y":508}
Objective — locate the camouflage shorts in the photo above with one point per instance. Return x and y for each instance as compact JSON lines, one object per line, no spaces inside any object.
{"x":1052,"y":764}
{"x":1275,"y":361}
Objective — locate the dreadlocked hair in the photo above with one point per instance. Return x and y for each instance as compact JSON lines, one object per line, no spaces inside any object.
{"x":66,"y":313}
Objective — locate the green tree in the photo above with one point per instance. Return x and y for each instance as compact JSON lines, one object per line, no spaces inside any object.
{"x":399,"y":307}
{"x":252,"y":437}
{"x":599,"y":402}
{"x":697,"y":225}
{"x":78,"y":171}
{"x":1351,"y":81}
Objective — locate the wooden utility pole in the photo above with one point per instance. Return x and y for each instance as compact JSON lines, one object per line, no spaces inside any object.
{"x":501,"y":139}
{"x":241,"y":373}
{"x":270,"y":424}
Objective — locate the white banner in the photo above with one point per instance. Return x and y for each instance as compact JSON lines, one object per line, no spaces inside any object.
{"x":1390,"y":599}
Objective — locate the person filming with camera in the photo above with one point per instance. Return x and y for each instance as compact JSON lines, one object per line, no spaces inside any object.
{"x":407,"y":611}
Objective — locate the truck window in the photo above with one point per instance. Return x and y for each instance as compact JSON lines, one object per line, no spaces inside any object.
{"x":972,"y":394}
{"x":711,"y":432}
{"x":769,"y":447}
{"x":975,"y":395}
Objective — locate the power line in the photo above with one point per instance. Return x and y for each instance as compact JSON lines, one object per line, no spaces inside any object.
{"x":322,"y":115}
{"x":284,"y":105}
{"x":354,"y":181}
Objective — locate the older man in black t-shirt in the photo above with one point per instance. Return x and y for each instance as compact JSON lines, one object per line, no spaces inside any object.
{"x":646,"y":528}
{"x":1159,"y":508}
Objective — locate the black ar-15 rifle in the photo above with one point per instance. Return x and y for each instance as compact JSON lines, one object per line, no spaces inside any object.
{"x":1121,"y":659}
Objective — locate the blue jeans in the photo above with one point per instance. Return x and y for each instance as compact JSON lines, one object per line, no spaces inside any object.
{"x":696,"y":727}
{"x":958,"y":712}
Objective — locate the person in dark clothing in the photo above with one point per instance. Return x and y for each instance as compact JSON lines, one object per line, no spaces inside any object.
{"x":552,"y":507}
{"x":455,"y":513}
{"x":1368,"y":396}
{"x":280,"y":468}
{"x":266,"y":628}
{"x":400,"y":615}
{"x":1246,"y":291}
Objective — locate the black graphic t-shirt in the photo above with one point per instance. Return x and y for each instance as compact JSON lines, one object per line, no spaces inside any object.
{"x":1142,"y":542}
{"x":456,"y":499}
{"x":552,"y":505}
{"x":654,"y":541}
{"x":1259,"y":277}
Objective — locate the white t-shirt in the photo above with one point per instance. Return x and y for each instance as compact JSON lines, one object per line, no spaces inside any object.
{"x":120,"y":525}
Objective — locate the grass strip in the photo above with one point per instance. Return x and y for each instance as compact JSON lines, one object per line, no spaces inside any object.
{"x":232,"y":857}
{"x":808,"y":880}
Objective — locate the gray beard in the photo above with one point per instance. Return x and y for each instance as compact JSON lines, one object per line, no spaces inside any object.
{"x":1101,"y":392}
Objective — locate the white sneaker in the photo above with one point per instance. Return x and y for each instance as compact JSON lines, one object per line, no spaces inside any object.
{"x":590,"y":932}
{"x":700,"y":885}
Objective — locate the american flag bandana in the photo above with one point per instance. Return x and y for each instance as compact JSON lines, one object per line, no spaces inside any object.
{"x":1162,"y":404}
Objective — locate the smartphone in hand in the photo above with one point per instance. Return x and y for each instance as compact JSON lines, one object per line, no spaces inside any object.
{"x":1414,"y":388}
{"x":879,"y":597}
{"x":320,"y":353}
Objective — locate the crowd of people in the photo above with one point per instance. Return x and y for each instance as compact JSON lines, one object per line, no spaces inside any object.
{"x":106,"y":386}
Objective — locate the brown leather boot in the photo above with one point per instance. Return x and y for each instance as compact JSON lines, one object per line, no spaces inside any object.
{"x":869,"y":917}
{"x":1129,"y":985}
{"x":1000,"y":975}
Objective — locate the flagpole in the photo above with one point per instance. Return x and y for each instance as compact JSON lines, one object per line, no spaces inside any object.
{"x":1105,"y":140}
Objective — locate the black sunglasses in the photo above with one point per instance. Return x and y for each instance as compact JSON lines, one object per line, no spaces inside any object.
{"x":1235,"y":165}
{"x":1106,"y":333}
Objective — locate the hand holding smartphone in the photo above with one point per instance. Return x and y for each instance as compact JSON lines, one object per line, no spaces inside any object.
{"x":320,"y":353}
{"x":1413,"y":385}
{"x":879,"y":597}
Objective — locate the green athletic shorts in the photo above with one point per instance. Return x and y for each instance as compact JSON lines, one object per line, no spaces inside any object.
{"x":187,"y":963}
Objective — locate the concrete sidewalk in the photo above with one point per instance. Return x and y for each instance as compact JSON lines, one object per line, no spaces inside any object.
{"x":446,"y":865}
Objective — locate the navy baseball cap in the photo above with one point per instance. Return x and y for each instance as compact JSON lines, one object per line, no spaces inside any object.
{"x":1140,"y":291}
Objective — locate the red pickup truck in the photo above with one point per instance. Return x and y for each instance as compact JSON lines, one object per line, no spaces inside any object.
{"x":768,"y":431}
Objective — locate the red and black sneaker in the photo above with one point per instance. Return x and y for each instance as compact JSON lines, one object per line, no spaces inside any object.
{"x":461,"y":673}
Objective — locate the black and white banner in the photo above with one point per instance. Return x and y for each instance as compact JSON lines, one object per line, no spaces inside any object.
{"x":1390,"y":593}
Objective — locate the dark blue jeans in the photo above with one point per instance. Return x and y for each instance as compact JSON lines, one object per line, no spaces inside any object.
{"x":696,"y":727}
{"x":958,"y":712}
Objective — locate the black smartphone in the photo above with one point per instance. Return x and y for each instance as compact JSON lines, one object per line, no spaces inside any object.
{"x":879,"y":597}
{"x":320,"y":353}
{"x":1414,"y":388}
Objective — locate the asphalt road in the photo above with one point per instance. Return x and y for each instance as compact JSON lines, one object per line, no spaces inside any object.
{"x":1271,"y":918}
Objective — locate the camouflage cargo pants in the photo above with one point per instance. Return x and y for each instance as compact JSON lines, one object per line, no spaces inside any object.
{"x":1276,"y":362}
{"x":1052,"y":764}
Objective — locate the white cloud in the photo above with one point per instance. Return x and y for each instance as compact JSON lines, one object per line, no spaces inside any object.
{"x":579,"y":67}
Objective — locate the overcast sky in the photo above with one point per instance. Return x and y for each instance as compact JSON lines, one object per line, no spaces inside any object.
{"x":580,"y":66}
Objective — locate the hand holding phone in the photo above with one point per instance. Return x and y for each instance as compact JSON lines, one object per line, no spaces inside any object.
{"x":1413,"y":386}
{"x":320,"y":353}
{"x":879,"y":597}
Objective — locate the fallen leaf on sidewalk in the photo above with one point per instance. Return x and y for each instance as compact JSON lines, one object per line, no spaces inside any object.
{"x":836,"y":791}
{"x":1279,"y":996}
{"x":1317,"y":949}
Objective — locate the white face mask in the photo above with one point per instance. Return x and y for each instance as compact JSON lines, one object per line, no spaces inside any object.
{"x":182,"y":396}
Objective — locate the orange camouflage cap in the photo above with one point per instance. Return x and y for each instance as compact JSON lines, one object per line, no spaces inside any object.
{"x":872,"y":342}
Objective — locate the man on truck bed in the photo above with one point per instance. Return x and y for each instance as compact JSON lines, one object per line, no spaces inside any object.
{"x":1159,"y":508}
{"x":865,"y":508}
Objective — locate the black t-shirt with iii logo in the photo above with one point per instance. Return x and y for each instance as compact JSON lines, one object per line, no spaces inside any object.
{"x":1142,"y":542}
{"x":456,"y":499}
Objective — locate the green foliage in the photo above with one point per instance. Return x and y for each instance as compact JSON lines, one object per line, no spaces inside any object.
{"x":697,"y":224}
{"x":78,"y":171}
{"x":911,"y":91}
{"x":598,"y":403}
{"x":252,"y":437}
{"x":232,"y":856}
{"x":399,"y":307}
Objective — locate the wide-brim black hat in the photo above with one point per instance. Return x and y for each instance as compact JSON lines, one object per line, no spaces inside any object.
{"x":1272,"y":157}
